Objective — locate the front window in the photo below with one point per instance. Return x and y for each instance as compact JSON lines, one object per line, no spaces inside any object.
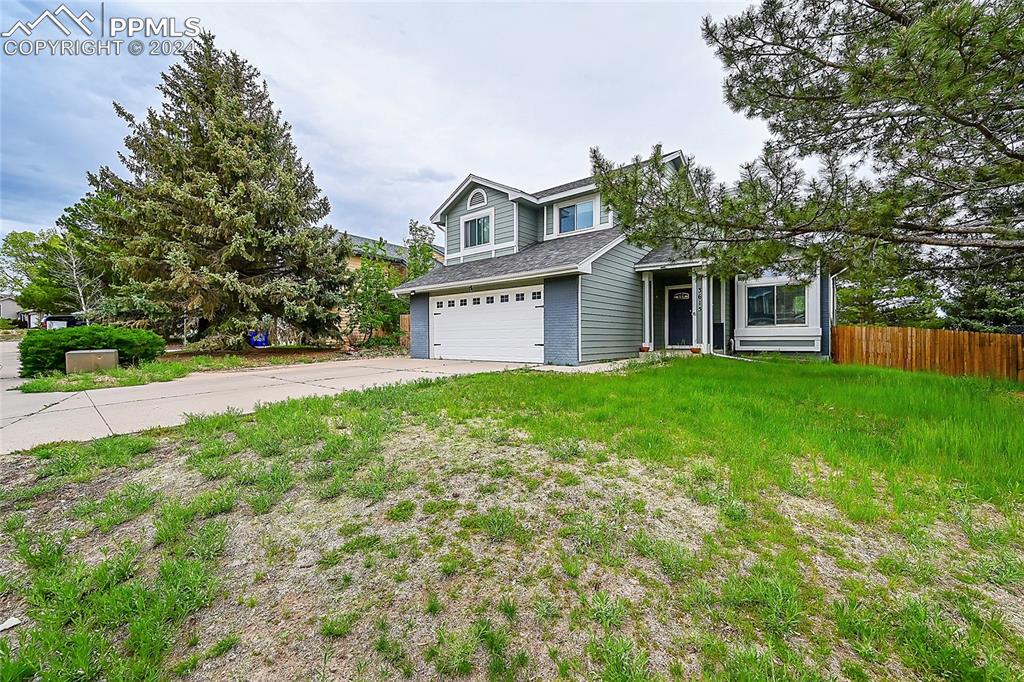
{"x":768,"y":306}
{"x":576,"y":217}
{"x":477,"y":231}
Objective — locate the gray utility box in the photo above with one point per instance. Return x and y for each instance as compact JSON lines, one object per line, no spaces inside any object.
{"x":76,"y":361}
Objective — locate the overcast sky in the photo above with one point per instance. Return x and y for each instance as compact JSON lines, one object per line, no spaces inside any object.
{"x":394,"y":104}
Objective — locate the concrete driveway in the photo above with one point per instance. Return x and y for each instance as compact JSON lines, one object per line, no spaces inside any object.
{"x":29,"y":419}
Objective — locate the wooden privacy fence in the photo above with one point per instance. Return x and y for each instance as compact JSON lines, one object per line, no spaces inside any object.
{"x":405,"y":321}
{"x":933,"y":350}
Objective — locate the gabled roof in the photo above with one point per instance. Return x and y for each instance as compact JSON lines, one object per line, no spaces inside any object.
{"x":541,"y":197}
{"x":512,"y":193}
{"x":544,"y":259}
{"x":666,"y":255}
{"x":588,"y":182}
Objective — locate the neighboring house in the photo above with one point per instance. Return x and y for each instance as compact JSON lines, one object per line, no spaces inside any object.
{"x":9,"y":308}
{"x":393,"y":253}
{"x":547,"y":277}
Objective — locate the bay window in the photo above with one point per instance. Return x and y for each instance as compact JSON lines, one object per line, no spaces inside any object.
{"x":776,"y":305}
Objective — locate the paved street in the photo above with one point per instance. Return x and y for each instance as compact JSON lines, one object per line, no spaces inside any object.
{"x":28,"y":419}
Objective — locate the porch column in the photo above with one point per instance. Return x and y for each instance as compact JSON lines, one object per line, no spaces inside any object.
{"x":648,"y":280}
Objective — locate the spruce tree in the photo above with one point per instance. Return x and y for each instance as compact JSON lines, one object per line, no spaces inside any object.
{"x":219,"y":218}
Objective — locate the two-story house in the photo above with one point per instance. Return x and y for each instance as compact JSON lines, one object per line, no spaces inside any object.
{"x":547,"y":277}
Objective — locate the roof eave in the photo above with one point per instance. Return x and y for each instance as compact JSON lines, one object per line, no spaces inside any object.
{"x":668,"y":265}
{"x":497,"y":279}
{"x":512,"y":193}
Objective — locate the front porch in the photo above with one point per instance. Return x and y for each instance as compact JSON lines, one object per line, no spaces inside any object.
{"x":686,"y":308}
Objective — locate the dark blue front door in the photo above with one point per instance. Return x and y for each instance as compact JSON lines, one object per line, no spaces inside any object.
{"x":680,"y":317}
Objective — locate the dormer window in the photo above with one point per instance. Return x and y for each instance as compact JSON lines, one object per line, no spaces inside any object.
{"x":578,"y":216}
{"x":476,"y":198}
{"x":476,"y":231}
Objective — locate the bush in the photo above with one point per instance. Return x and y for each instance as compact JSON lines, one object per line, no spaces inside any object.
{"x":42,"y":350}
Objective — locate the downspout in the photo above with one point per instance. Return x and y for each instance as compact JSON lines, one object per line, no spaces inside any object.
{"x":833,"y":298}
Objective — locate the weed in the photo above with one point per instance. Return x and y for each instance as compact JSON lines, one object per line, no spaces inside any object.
{"x":223,"y":646}
{"x":452,"y":654}
{"x":603,"y":609}
{"x":508,"y":608}
{"x":403,"y":511}
{"x":675,"y":560}
{"x":117,"y":507}
{"x":338,"y":625}
{"x":498,"y":523}
{"x":771,"y":595}
{"x":433,"y":606}
{"x":545,"y":609}
{"x":620,"y":659}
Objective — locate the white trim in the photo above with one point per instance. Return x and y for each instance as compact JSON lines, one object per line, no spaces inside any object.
{"x":648,"y":342}
{"x":669,"y":265}
{"x":587,"y":265}
{"x":693,"y":310}
{"x":597,"y":224}
{"x":579,"y":320}
{"x":583,"y":268}
{"x":469,"y":200}
{"x":764,"y":336}
{"x":498,"y":279}
{"x":515,"y":224}
{"x":478,"y":248}
{"x":512,"y":193}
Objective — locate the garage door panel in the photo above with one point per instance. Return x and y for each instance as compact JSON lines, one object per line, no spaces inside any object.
{"x":512,"y":331}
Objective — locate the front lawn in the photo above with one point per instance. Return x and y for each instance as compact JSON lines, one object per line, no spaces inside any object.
{"x":175,"y":366}
{"x":701,"y":517}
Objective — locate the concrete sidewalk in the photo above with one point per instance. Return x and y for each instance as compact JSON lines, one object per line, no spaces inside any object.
{"x":29,"y":419}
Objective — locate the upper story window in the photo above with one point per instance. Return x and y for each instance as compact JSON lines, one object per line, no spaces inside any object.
{"x":476,"y":231}
{"x":476,"y":198}
{"x":776,"y":305}
{"x":577,"y":216}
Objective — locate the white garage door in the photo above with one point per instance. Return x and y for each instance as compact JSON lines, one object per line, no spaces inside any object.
{"x":499,"y":324}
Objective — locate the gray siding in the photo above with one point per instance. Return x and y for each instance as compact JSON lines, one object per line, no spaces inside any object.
{"x":504,"y":222}
{"x":419,"y":326}
{"x":611,"y":313}
{"x":561,"y":320}
{"x":529,"y":226}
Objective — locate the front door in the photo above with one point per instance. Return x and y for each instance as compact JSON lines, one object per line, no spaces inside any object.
{"x":680,"y":317}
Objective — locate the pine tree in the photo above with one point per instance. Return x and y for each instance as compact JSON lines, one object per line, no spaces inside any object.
{"x":219,"y":217}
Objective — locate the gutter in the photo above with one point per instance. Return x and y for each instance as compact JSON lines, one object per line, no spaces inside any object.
{"x":497,"y":279}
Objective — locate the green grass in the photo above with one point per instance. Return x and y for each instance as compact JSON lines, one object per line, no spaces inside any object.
{"x":166,"y":369}
{"x":144,"y":373}
{"x":780,"y":471}
{"x":920,"y":431}
{"x":117,"y":507}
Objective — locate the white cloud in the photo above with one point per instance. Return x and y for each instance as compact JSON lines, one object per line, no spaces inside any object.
{"x":394,"y":104}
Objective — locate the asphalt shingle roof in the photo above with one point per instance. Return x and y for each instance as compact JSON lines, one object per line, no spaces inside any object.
{"x":392,"y":252}
{"x":547,"y":255}
{"x":557,"y":189}
{"x":665,"y":253}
